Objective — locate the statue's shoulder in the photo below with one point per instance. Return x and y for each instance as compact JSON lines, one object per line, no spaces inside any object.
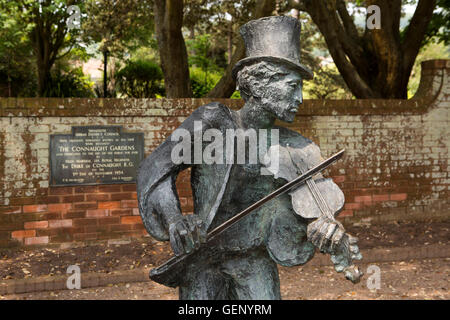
{"x":294,"y":139}
{"x":213,"y":112}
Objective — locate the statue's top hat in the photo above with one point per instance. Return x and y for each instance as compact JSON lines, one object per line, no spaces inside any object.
{"x":275,"y":39}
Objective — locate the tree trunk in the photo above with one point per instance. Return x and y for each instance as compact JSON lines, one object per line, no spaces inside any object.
{"x":105,"y":73}
{"x":42,"y":52}
{"x":47,"y":41}
{"x":226,"y":85}
{"x":230,"y":41}
{"x":172,"y":48}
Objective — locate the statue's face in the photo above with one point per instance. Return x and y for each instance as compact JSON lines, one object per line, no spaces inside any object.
{"x":283,"y":95}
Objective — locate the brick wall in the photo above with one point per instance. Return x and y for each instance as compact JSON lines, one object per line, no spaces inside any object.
{"x":395,"y":167}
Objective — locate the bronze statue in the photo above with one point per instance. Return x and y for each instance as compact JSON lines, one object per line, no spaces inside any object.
{"x":240,"y":261}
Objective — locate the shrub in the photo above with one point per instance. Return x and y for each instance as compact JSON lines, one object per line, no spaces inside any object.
{"x":140,"y":79}
{"x":73,"y":83}
{"x":201,"y":82}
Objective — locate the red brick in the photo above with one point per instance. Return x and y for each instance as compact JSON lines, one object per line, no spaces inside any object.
{"x":109,"y":220}
{"x":122,"y":196}
{"x":363,"y":198}
{"x":109,"y":205}
{"x":84,"y":236}
{"x":128,"y":187}
{"x":42,"y":192}
{"x":130,"y":219}
{"x":97,"y":197}
{"x":398,"y":196}
{"x":113,"y":188}
{"x":21,"y":201}
{"x":48,"y":199}
{"x":20,"y":234}
{"x":138,"y":226}
{"x":122,"y":212}
{"x":85,"y":205}
{"x":60,"y":190}
{"x":64,"y":223}
{"x":353,"y":206}
{"x":84,"y":222}
{"x":36,"y":240}
{"x":129,"y":204}
{"x":86,"y":189}
{"x":380,"y":197}
{"x":59,"y":207}
{"x":35,"y":208}
{"x":346,"y":213}
{"x":9,"y":210}
{"x":135,"y":211}
{"x":97,"y":213}
{"x":94,"y":229}
{"x":120,"y":227}
{"x":75,"y":198}
{"x":49,"y":232}
{"x":74,"y":214}
{"x":338,"y":179}
{"x":36,"y":225}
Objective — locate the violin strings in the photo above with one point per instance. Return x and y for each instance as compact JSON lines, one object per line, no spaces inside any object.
{"x":317,"y":195}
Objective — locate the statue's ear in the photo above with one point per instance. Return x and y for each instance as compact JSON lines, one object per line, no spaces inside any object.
{"x":256,"y":89}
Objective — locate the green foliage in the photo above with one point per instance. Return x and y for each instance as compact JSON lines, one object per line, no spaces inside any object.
{"x":204,"y":73}
{"x":201,"y":53}
{"x":70,"y":84}
{"x":439,"y":27}
{"x":140,"y":79}
{"x":17,"y":72}
{"x":236,"y":95}
{"x":327,"y":84}
{"x":45,"y":26}
{"x":202,"y":82}
{"x":428,"y":52}
{"x":118,"y":26}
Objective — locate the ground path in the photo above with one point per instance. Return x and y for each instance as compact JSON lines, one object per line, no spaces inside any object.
{"x":414,"y":279}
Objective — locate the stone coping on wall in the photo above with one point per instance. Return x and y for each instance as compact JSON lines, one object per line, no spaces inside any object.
{"x":87,"y":107}
{"x":130,"y":107}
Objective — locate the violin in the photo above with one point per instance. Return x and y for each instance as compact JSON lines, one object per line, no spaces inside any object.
{"x":320,"y":199}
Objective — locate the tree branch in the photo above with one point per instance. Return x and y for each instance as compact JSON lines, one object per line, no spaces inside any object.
{"x":66,"y":53}
{"x":226,"y":85}
{"x":341,"y":47}
{"x":416,"y":31}
{"x":347,"y":21}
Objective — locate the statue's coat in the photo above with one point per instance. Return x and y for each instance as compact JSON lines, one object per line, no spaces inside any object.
{"x":275,"y":225}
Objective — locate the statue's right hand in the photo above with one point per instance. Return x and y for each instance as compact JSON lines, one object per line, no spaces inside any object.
{"x":186,"y":234}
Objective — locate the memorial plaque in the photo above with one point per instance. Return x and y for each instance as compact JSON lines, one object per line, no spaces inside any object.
{"x":95,"y":155}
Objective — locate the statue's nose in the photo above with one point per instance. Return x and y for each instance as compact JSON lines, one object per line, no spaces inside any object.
{"x":299,"y":96}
